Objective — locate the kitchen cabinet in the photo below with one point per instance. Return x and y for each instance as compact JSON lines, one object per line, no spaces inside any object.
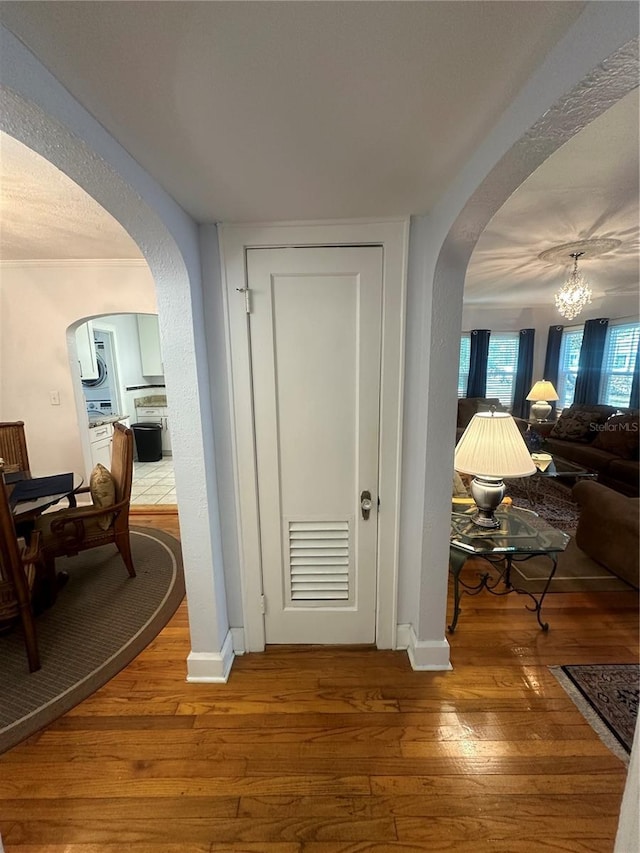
{"x":150,"y":354}
{"x":100,"y":439}
{"x":86,"y":351}
{"x":157,"y":415}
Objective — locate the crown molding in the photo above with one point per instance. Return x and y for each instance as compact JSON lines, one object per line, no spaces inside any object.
{"x":75,"y":262}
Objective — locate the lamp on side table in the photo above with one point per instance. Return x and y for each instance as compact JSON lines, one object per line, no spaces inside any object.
{"x":491,"y":448}
{"x":540,"y":394}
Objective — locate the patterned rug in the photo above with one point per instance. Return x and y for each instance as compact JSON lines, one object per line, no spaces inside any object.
{"x":551,"y":499}
{"x":607,"y":696}
{"x":100,"y":621}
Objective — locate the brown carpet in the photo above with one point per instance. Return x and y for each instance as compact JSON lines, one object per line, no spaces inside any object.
{"x":607,"y":697}
{"x":576,"y":572}
{"x":101,"y":620}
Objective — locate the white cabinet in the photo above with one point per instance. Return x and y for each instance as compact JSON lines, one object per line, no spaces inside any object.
{"x":157,"y":415}
{"x":86,"y":351}
{"x":100,"y":439}
{"x":166,"y":436}
{"x":150,"y":354}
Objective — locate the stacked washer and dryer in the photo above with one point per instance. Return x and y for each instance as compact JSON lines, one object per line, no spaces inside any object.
{"x":100,"y":393}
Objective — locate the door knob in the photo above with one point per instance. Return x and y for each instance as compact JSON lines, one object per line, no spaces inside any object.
{"x":365,"y":504}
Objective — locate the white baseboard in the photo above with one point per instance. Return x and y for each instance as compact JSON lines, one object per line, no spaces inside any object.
{"x":428,"y":654}
{"x":403,"y":636}
{"x":237,"y":637}
{"x":211,"y":667}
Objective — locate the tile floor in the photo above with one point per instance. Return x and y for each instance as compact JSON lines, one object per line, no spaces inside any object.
{"x":153,"y":482}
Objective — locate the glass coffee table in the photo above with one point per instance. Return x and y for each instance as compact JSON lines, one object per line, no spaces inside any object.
{"x":522,"y":535}
{"x":555,"y":469}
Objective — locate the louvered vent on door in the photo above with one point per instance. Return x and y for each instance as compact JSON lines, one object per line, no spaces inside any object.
{"x":319,"y":560}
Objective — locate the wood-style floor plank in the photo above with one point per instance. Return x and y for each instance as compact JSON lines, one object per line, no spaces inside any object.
{"x":325,"y":750}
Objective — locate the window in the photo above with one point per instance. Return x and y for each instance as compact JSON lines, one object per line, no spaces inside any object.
{"x":568,"y":365}
{"x":502,"y":363}
{"x":463,"y":366}
{"x":618,"y":363}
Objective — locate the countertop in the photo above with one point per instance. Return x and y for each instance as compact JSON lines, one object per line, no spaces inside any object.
{"x":107,"y":419}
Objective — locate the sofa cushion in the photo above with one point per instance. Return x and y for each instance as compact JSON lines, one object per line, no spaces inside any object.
{"x":624,"y":471}
{"x":619,"y":435}
{"x":608,"y":529}
{"x":585,"y":455}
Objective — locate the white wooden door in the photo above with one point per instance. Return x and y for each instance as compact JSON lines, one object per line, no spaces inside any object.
{"x":315,"y":327}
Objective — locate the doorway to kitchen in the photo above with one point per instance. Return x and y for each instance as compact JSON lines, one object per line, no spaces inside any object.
{"x":121,"y":375}
{"x":153,"y":483}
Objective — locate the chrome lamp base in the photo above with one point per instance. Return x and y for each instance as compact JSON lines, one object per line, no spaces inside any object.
{"x":488,"y":493}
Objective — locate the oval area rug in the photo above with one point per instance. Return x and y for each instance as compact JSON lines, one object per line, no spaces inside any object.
{"x":100,"y":621}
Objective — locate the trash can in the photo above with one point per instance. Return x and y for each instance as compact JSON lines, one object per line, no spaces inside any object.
{"x":148,"y":438}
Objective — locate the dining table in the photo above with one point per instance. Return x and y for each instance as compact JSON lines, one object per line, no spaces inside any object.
{"x":29,"y":497}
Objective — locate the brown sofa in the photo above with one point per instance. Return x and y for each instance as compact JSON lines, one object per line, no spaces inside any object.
{"x":602,"y":439}
{"x":469,"y":406}
{"x":609,"y":529}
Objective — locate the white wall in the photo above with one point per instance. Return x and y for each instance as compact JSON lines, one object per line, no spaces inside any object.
{"x":38,"y":303}
{"x":36,"y":110}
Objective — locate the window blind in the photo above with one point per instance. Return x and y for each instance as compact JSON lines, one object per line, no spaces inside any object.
{"x":501,"y":366}
{"x":568,"y":365}
{"x":618,"y":363}
{"x":463,"y":366}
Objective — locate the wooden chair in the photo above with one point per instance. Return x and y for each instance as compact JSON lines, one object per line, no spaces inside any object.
{"x":70,"y":531}
{"x":13,"y":447}
{"x":17,"y":580}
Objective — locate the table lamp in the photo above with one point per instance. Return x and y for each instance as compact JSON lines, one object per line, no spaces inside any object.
{"x":540,"y":394}
{"x":491,"y":448}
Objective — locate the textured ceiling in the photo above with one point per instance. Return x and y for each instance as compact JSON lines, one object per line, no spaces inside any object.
{"x":45,"y":215}
{"x":587,"y":189}
{"x":286,"y":111}
{"x":274,"y":111}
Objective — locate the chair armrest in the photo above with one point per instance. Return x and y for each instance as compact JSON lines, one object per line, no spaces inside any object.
{"x":78,"y":515}
{"x":31,"y":552}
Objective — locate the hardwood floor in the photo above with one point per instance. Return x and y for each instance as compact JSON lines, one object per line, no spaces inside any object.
{"x":335,"y":750}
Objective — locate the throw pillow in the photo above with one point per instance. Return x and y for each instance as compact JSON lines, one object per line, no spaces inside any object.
{"x":577,"y":425}
{"x":620,"y":435}
{"x":103,"y":493}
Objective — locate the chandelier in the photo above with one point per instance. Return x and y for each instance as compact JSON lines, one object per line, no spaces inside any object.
{"x":575,"y":293}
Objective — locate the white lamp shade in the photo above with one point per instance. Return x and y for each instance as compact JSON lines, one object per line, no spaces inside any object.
{"x":543,"y":390}
{"x":492,"y":446}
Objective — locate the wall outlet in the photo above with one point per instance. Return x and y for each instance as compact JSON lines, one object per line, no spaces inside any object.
{"x":54,"y":398}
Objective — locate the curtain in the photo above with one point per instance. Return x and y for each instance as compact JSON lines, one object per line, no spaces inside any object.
{"x":634,"y":402}
{"x":524,"y":373}
{"x":590,"y":364}
{"x":478,"y":355}
{"x":552,"y":360}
